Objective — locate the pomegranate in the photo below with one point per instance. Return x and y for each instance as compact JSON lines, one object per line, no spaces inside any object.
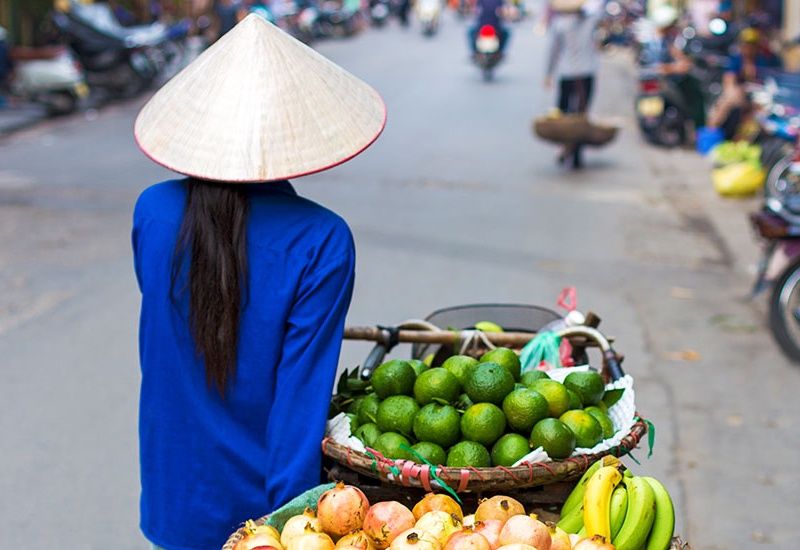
{"x":433,"y":502}
{"x":597,"y":542}
{"x":439,"y":524}
{"x":499,"y":507}
{"x":296,"y":526}
{"x":357,"y":539}
{"x":469,"y":520}
{"x":385,"y":520}
{"x":342,"y":509}
{"x":467,"y":539}
{"x":525,"y":530}
{"x":311,"y":540}
{"x":415,"y":539}
{"x":490,"y":529}
{"x":559,"y":539}
{"x":250,"y":542}
{"x":517,"y":546}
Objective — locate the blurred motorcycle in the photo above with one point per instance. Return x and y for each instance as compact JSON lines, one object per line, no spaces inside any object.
{"x":121,"y":60}
{"x":778,"y":224}
{"x":379,"y":11}
{"x":661,"y":111}
{"x":428,"y":14}
{"x":487,"y":51}
{"x":48,"y":76}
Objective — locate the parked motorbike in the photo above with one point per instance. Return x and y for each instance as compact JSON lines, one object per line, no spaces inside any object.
{"x":778,"y":223}
{"x":661,"y":111}
{"x":487,"y":51}
{"x":428,"y":13}
{"x":337,"y":21}
{"x":48,"y":76}
{"x":123,"y":61}
{"x":379,"y":11}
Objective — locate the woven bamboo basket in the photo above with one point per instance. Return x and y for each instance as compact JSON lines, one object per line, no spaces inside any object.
{"x":421,"y":476}
{"x":570,"y":129}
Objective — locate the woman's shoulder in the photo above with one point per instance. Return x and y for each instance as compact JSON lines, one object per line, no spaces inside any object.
{"x":164,"y":200}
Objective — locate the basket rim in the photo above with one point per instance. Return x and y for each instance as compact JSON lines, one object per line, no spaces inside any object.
{"x":411,"y":474}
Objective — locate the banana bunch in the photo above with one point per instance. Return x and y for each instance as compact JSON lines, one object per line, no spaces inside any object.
{"x":631,"y":512}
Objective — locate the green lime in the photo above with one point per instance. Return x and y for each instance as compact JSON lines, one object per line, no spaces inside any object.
{"x":488,"y":326}
{"x":418,"y":366}
{"x":602,"y":406}
{"x":529,"y":377}
{"x":603,"y":419}
{"x":574,"y":400}
{"x":390,"y":445}
{"x":354,"y":405}
{"x":353,"y":422}
{"x":460,"y":366}
{"x":588,"y":385}
{"x":396,"y":414}
{"x":588,"y":431}
{"x":483,"y":423}
{"x":504,"y":357}
{"x":440,"y":424}
{"x":554,"y":436}
{"x":428,"y":359}
{"x":368,"y":409}
{"x":556,"y":395}
{"x":368,"y":434}
{"x":431,"y":452}
{"x":468,"y":453}
{"x":489,"y":383}
{"x":436,"y":384}
{"x":524,"y":408}
{"x":509,"y":449}
{"x":395,"y":377}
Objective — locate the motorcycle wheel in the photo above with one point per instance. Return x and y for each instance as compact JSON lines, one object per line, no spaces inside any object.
{"x":671,"y":130}
{"x":780,"y":181}
{"x":61,"y":103}
{"x":784,"y":312}
{"x":488,"y":74}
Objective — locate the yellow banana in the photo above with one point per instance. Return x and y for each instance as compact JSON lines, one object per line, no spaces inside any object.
{"x":664,"y":524}
{"x":572,"y":523}
{"x":619,"y":505}
{"x":575,"y":498}
{"x":597,"y":501}
{"x":639,"y":516}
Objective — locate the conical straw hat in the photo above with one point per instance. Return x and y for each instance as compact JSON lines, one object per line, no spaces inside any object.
{"x":567,"y":6}
{"x":259,"y":105}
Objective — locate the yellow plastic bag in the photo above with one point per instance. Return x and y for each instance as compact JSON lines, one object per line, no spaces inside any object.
{"x":741,"y":179}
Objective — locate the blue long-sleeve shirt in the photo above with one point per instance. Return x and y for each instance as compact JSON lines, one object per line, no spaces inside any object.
{"x":207,"y":463}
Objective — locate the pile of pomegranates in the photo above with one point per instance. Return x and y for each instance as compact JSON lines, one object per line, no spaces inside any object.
{"x":345,"y":520}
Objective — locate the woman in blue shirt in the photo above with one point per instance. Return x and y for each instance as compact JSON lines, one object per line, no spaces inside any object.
{"x":245,"y":285}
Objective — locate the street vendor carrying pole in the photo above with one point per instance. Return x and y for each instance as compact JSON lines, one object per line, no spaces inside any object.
{"x":245,"y":285}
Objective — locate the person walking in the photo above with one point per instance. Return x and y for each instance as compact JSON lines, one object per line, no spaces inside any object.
{"x":245,"y":284}
{"x":573,"y":60}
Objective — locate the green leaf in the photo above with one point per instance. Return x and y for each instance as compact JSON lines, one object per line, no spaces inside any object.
{"x":341,"y":385}
{"x":611,"y":397}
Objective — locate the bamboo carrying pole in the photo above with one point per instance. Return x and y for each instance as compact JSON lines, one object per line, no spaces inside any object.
{"x":447,"y":337}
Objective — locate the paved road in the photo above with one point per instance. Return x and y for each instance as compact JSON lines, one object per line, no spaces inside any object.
{"x":455,"y":204}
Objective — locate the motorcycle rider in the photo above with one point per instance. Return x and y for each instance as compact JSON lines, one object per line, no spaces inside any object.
{"x":490,"y":13}
{"x":675,"y":65}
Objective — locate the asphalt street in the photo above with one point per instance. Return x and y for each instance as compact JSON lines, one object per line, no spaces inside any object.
{"x":457,"y":203}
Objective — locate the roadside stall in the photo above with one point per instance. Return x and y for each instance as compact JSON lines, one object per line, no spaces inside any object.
{"x":497,"y":432}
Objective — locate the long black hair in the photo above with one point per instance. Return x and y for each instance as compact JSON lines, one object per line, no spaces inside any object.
{"x":213,"y":239}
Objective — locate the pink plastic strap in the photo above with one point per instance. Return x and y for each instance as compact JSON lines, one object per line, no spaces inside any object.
{"x":462,"y":484}
{"x":568,"y":299}
{"x":425,"y":478}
